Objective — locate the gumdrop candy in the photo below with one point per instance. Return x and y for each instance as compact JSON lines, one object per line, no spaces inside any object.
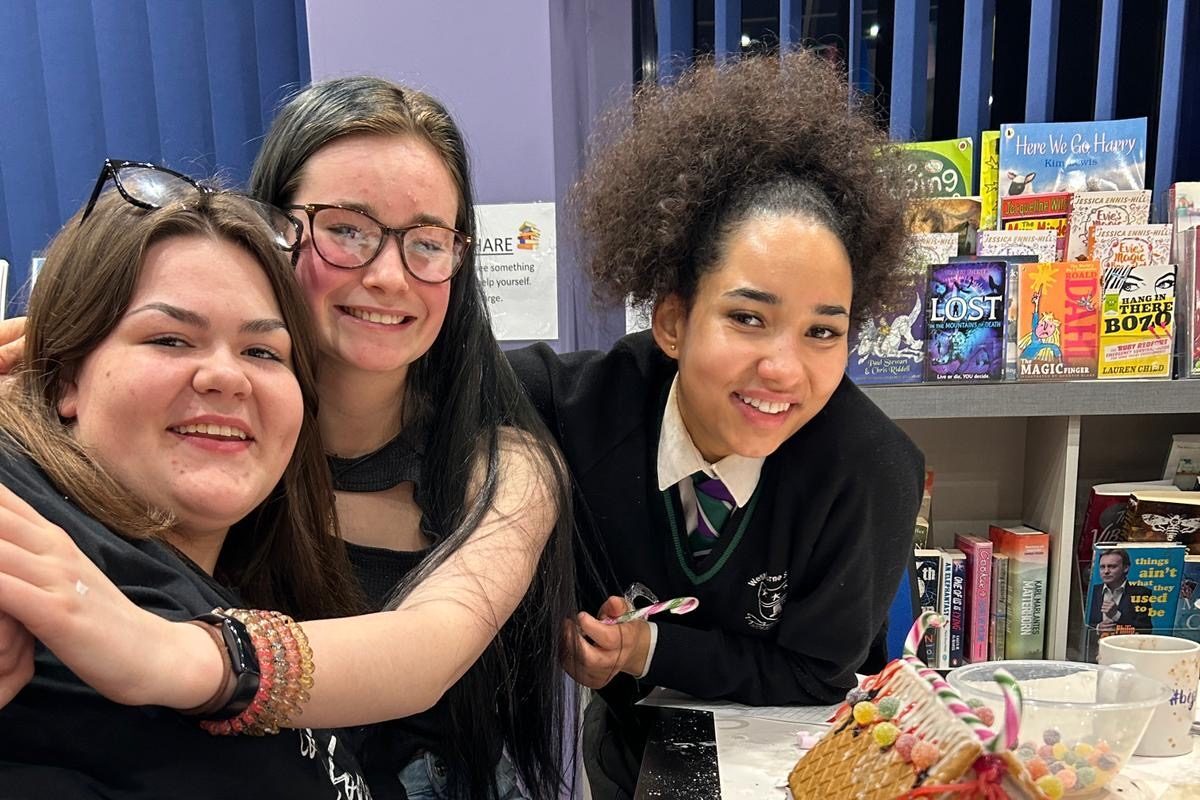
{"x":904,"y":746}
{"x":925,"y":755}
{"x":865,"y":712}
{"x":885,"y":734}
{"x":1051,"y":786}
{"x":888,"y":707}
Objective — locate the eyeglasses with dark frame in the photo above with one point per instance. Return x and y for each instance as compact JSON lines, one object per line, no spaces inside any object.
{"x":151,"y":187}
{"x":350,"y":238}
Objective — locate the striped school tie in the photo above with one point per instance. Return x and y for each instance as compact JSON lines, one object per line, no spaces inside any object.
{"x":714,"y":504}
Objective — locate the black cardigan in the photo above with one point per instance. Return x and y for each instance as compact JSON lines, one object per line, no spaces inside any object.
{"x":791,"y":601}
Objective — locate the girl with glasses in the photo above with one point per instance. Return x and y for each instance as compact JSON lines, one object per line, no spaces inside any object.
{"x":758,"y":215}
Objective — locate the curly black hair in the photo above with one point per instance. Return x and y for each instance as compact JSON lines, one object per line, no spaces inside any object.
{"x":669,"y":177}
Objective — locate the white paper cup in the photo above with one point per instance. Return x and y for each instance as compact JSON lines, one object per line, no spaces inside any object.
{"x":1175,"y":662}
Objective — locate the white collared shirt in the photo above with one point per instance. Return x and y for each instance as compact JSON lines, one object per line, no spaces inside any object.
{"x":678,"y":460}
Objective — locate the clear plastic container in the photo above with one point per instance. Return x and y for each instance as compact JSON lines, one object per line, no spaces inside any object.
{"x":1080,"y":722}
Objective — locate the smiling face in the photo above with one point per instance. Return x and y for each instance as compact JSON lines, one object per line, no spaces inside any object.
{"x":190,"y":401}
{"x":377,"y":319}
{"x":764,"y":344}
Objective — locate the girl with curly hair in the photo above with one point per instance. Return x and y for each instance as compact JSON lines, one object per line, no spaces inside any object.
{"x":724,"y":454}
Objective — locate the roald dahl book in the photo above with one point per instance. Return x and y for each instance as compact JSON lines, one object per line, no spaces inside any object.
{"x":1058,"y":323}
{"x":965,"y":321}
{"x":1099,"y":156}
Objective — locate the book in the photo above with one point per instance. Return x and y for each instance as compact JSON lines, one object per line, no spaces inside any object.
{"x":958,"y":607}
{"x":1183,"y":203}
{"x":939,"y":169}
{"x":929,"y":575}
{"x":998,"y":624}
{"x":965,"y":321}
{"x":1038,"y":212}
{"x":1162,"y":516}
{"x":1134,"y":588}
{"x":1183,"y":446}
{"x":924,"y":513}
{"x":989,"y":179}
{"x":1104,"y":514}
{"x":1089,"y":209}
{"x":1187,"y":611}
{"x":1187,"y":302}
{"x":890,"y":347}
{"x":944,"y":607}
{"x":1121,"y":247}
{"x":958,"y":215}
{"x":978,"y":554}
{"x":1137,"y":321}
{"x":1107,"y":155}
{"x":1041,"y":244}
{"x":1028,"y":552}
{"x":1058,"y":324}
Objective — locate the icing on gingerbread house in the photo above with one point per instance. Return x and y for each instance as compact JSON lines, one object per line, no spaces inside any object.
{"x":905,"y":733}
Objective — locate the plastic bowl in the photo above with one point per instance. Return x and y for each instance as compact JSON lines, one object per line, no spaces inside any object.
{"x":1080,"y":722}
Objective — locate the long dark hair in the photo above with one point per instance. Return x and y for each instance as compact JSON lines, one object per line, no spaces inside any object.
{"x":460,"y":395}
{"x":285,"y":553}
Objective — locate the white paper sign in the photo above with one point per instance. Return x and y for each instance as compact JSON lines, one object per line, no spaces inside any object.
{"x":517,"y":253}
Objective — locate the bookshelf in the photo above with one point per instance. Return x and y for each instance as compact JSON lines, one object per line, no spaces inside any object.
{"x":1028,"y":452}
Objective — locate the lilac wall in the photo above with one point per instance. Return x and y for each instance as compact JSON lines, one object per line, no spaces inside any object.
{"x":489,"y":62}
{"x":523,"y":78}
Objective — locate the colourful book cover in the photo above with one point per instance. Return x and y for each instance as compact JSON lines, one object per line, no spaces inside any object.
{"x":929,"y":573}
{"x":1058,"y":323}
{"x":1183,"y":201}
{"x":1041,"y":244}
{"x":1189,"y":265}
{"x":889,"y":347}
{"x":958,"y":215}
{"x":1156,"y":515}
{"x":964,"y":321}
{"x":939,"y":169}
{"x":1039,"y":212}
{"x":1028,"y":552}
{"x":1108,"y":155}
{"x":978,"y":554}
{"x":1117,"y":246}
{"x":1137,"y":318}
{"x":989,"y":179}
{"x":1104,"y":515}
{"x":1089,"y":209}
{"x":1187,"y":612}
{"x":1134,"y":588}
{"x":958,"y":606}
{"x":998,"y":624}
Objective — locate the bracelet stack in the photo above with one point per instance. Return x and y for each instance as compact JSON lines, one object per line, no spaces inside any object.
{"x":285,"y":674}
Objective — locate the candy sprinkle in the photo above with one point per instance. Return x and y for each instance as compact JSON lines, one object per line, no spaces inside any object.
{"x":925,"y":755}
{"x":865,"y":712}
{"x":888,"y":707}
{"x":885,"y":734}
{"x":1051,"y":786}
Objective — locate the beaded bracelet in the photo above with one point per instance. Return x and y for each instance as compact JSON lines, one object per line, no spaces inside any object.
{"x":285,"y":667}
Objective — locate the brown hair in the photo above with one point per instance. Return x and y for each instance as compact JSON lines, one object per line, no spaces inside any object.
{"x":459,"y":398}
{"x":281,"y":555}
{"x":775,"y":134}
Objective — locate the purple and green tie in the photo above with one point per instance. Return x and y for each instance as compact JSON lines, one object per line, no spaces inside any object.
{"x":714,"y":504}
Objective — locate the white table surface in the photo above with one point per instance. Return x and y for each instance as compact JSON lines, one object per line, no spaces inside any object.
{"x":757,"y":748}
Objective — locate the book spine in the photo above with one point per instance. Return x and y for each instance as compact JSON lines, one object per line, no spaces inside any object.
{"x":958,"y":611}
{"x":945,"y":601}
{"x":979,"y":601}
{"x":1026,"y":606}
{"x":999,"y":620}
{"x":928,"y":572}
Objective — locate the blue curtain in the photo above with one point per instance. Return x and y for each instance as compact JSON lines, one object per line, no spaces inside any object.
{"x":191,"y":84}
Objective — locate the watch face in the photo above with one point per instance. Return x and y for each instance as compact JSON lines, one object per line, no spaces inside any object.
{"x":243,"y":664}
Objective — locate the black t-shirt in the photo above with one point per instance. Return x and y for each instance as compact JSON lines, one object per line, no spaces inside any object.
{"x":60,"y":739}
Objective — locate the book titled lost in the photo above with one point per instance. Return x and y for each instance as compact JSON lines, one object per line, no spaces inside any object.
{"x":965,"y":322}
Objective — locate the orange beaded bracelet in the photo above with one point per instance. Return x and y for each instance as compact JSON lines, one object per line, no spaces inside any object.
{"x":285,"y":670}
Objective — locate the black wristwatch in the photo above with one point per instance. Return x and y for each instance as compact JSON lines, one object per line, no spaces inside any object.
{"x":243,"y":663}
